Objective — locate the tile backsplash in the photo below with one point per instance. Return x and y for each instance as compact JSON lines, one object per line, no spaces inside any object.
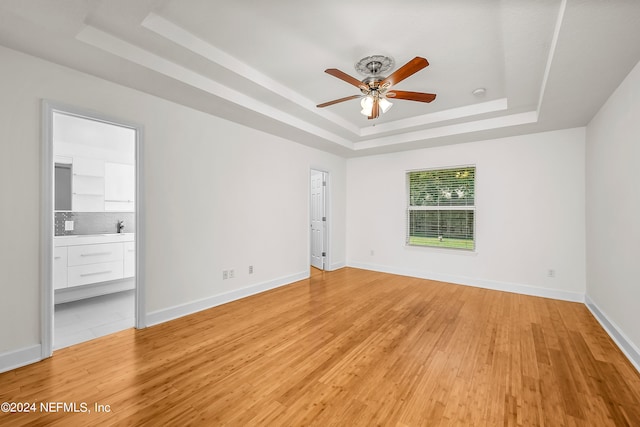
{"x":94,"y":222}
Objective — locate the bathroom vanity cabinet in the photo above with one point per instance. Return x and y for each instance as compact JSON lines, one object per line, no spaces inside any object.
{"x":92,"y":265}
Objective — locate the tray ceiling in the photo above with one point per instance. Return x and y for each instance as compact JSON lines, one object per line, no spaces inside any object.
{"x":545,"y":65}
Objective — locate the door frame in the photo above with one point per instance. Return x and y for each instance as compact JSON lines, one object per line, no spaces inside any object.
{"x":47,"y":217}
{"x":327,"y":212}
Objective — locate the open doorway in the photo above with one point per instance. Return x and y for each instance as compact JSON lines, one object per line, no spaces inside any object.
{"x":91,"y":227}
{"x":318,"y":219}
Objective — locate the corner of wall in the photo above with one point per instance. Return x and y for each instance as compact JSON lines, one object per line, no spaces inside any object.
{"x":622,"y":341}
{"x":337,"y":266}
{"x":516,"y":288}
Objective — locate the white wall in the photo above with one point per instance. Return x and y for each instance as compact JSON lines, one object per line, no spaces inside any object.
{"x":221,"y":196}
{"x":218,"y":196}
{"x":530,"y":196}
{"x":613,"y":212}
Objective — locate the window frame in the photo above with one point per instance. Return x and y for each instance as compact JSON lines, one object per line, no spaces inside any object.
{"x":409,"y":208}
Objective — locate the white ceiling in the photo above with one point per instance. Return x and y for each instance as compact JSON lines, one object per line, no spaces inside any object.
{"x":545,"y":64}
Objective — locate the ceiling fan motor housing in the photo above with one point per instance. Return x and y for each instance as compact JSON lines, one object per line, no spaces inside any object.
{"x":373,"y":84}
{"x":374,"y":65}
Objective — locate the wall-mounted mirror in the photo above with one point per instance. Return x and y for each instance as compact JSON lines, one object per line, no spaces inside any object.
{"x":63,"y":188}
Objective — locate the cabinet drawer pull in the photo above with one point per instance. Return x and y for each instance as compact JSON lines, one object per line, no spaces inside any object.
{"x":96,"y":254}
{"x":132,"y":250}
{"x":58,"y":257}
{"x":96,"y":273}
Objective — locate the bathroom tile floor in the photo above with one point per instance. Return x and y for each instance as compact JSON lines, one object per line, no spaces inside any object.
{"x":84,"y":320}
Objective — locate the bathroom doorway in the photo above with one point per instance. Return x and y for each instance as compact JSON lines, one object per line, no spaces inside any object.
{"x":91,"y":284}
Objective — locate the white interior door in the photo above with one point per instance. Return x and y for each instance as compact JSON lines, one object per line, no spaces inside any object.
{"x":318,"y":219}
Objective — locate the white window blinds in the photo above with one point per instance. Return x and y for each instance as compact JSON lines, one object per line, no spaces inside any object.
{"x":441,"y":208}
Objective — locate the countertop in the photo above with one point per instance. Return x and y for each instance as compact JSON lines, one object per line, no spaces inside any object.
{"x":92,"y":239}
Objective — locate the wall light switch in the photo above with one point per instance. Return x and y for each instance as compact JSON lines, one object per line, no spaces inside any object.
{"x":68,"y":226}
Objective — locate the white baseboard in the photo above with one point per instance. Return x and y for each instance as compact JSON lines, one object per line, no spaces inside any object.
{"x":629,"y":349}
{"x":478,"y":283}
{"x":89,"y":291}
{"x":164,"y":315}
{"x":25,"y":356}
{"x":622,"y":341}
{"x":18,"y":358}
{"x":337,"y":266}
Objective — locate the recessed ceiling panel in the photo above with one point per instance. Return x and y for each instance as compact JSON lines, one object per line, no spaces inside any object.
{"x":542,"y":65}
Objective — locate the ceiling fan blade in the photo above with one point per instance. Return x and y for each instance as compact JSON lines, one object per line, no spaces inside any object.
{"x":346,"y":77}
{"x":335,"y":101}
{"x":411,"y":96}
{"x":408,"y":69}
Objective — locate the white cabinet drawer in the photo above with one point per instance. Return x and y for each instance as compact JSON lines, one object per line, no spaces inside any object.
{"x":129,"y":259}
{"x":59,"y":267}
{"x":94,"y":273}
{"x":92,"y":254}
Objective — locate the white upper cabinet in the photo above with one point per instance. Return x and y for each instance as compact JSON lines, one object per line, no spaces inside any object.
{"x":103,"y":158}
{"x":119,"y":187}
{"x":100,"y":186}
{"x":88,"y":184}
{"x":85,"y":166}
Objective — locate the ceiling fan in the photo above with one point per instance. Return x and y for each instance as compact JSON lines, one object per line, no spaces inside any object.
{"x":375,"y":88}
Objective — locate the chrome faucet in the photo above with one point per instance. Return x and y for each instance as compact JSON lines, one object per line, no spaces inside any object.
{"x":120,"y":226}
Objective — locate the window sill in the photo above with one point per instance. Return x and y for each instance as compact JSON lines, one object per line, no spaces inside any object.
{"x":450,"y":251}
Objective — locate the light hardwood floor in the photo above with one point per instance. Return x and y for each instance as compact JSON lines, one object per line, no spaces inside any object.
{"x":350,"y":347}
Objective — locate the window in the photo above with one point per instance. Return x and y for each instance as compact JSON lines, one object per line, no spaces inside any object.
{"x":441,"y":208}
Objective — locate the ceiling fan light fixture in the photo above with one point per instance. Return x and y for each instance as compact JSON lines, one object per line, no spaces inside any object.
{"x":385,"y":104}
{"x":367,"y":105}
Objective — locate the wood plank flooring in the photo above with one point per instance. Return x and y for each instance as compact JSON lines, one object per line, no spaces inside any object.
{"x":349,"y":347}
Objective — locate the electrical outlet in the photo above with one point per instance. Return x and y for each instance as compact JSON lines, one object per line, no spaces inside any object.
{"x":551,"y":273}
{"x":251,"y":269}
{"x":68,"y":226}
{"x":373,"y":252}
{"x":225,"y":274}
{"x":232,"y":274}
